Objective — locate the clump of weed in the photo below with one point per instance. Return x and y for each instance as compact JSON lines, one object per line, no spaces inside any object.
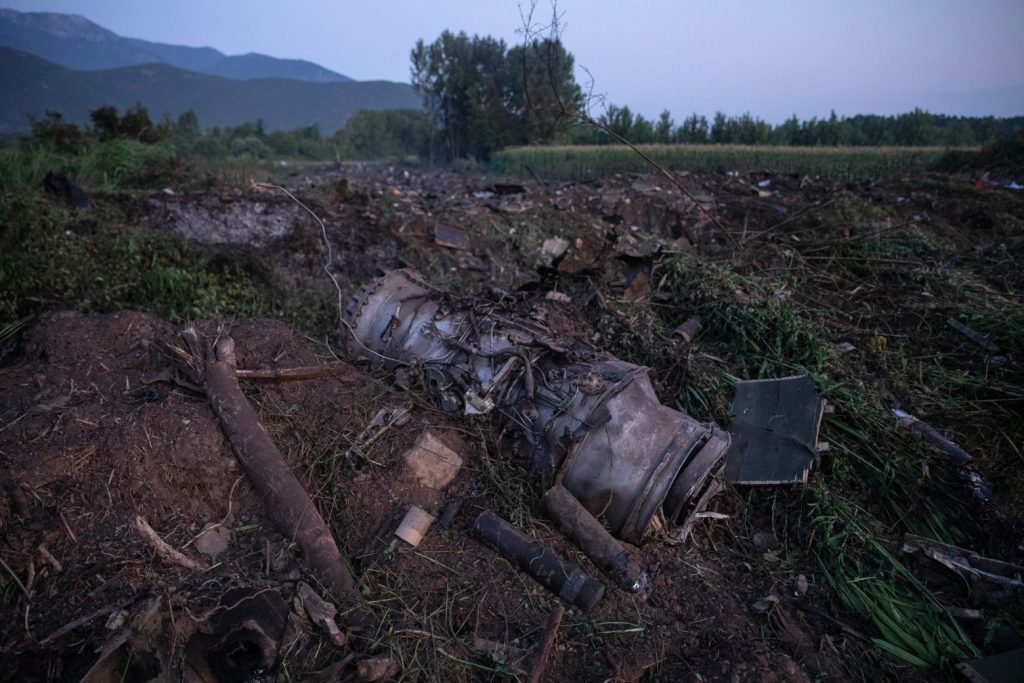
{"x":92,"y":260}
{"x":878,"y":482}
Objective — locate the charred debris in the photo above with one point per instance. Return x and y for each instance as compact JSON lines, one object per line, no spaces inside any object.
{"x":590,"y":426}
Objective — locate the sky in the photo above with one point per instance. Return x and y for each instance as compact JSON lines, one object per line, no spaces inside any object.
{"x":771,"y":58}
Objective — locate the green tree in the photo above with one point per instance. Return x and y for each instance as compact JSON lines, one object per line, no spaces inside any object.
{"x":481,"y":96}
{"x":187,"y":125}
{"x":694,"y":130}
{"x":664,"y":127}
{"x":106,"y":122}
{"x":544,"y":93}
{"x":720,"y":133}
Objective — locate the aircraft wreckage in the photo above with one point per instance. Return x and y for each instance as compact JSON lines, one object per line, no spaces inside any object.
{"x":586,"y":420}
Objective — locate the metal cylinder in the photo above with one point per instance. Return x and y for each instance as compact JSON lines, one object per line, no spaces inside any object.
{"x":570,"y":583}
{"x":593,"y":539}
{"x":587,"y":420}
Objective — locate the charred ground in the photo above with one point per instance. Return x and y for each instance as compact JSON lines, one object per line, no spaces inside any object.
{"x":852,"y":282}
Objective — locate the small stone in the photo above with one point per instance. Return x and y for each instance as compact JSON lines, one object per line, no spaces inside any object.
{"x":764,"y":541}
{"x":432,"y":462}
{"x":800,"y":584}
{"x":213,"y":540}
{"x":116,"y":620}
{"x":377,"y":668}
{"x":553,"y":247}
{"x":765,"y":603}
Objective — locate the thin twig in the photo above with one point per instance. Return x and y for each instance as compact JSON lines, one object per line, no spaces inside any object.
{"x":323,"y":233}
{"x":802,"y":212}
{"x":300,"y":373}
{"x":82,"y":621}
{"x":163,"y":549}
{"x":582,"y":116}
{"x":550,"y":634}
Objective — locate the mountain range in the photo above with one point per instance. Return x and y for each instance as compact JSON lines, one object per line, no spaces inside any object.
{"x":66,"y":63}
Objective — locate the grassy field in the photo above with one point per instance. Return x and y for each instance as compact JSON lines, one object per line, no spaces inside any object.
{"x":589,"y":162}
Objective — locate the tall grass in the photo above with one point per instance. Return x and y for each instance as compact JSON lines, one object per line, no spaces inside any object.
{"x":109,"y":166}
{"x":94,"y":260}
{"x":873,"y":487}
{"x":589,"y":162}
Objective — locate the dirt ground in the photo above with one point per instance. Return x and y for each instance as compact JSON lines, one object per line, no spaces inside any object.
{"x":90,"y":438}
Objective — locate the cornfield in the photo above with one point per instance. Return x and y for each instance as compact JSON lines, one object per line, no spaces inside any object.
{"x":588,"y":162}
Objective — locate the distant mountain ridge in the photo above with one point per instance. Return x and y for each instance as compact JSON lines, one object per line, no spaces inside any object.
{"x":77,"y":43}
{"x":32,"y":86}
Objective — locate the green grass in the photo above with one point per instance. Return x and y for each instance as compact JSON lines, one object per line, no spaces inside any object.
{"x":589,"y":162}
{"x":103,"y":166}
{"x":95,"y":261}
{"x":877,"y":483}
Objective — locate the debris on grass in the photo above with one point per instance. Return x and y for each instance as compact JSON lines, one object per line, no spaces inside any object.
{"x":568,"y":582}
{"x":590,"y":420}
{"x":822,"y":277}
{"x":774,"y":428}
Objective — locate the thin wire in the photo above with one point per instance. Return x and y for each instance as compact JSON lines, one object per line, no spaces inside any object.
{"x":327,"y":269}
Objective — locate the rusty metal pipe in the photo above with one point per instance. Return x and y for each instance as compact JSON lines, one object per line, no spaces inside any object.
{"x":593,"y":539}
{"x":570,"y":583}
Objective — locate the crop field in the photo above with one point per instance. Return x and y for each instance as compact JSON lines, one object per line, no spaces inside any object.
{"x":578,"y":162}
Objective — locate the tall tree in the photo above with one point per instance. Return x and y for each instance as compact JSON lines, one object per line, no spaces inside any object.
{"x":481,"y":96}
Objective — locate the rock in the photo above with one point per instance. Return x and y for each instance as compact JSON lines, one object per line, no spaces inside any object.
{"x":432,"y":462}
{"x":213,"y":540}
{"x":765,"y":603}
{"x":764,"y":541}
{"x":450,"y":236}
{"x":376,"y":668}
{"x":553,"y":247}
{"x":60,"y":185}
{"x":639,"y":289}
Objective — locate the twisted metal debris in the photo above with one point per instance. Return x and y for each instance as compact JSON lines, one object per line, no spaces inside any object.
{"x":587,"y":420}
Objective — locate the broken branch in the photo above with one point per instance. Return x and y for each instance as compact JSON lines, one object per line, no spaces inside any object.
{"x":287,"y":502}
{"x":550,"y":635}
{"x":285,"y":374}
{"x":163,"y":549}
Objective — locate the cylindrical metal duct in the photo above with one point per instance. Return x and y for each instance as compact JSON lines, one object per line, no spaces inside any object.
{"x":589,"y":420}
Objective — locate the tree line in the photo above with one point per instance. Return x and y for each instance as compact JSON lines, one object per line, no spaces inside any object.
{"x":915,"y":128}
{"x":391,"y":134}
{"x":480,"y":95}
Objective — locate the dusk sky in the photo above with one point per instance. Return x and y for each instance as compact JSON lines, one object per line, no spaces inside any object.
{"x":772,"y":59}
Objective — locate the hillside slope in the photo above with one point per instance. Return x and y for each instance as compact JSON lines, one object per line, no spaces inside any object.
{"x":32,"y":86}
{"x":77,"y":43}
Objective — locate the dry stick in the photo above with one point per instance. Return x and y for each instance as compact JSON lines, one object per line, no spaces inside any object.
{"x":286,"y":500}
{"x":82,"y":621}
{"x":163,"y":549}
{"x":846,"y":628}
{"x":783,"y":223}
{"x":285,"y":374}
{"x":554,"y":621}
{"x":854,"y":238}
